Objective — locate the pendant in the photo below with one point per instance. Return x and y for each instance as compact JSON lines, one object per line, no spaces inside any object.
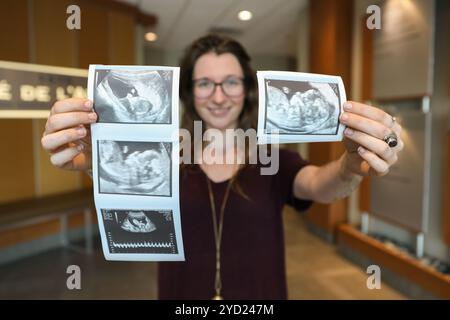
{"x":217,"y":297}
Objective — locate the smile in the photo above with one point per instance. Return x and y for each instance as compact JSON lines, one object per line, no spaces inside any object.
{"x":219,"y":112}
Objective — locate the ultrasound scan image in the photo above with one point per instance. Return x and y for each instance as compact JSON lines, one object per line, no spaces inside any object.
{"x":139,"y":231}
{"x":137,"y":222}
{"x":133,"y":96}
{"x":135,"y":168}
{"x":294,"y":107}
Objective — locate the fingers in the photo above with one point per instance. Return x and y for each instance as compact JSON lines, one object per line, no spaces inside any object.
{"x":65,"y":130}
{"x":60,"y":138}
{"x":374,"y":145}
{"x":363,"y":124}
{"x":71,"y":104}
{"x":380,"y":167}
{"x":59,"y":159}
{"x":361,"y":118}
{"x":367,"y":127}
{"x":67,"y":120}
{"x":372,"y":113}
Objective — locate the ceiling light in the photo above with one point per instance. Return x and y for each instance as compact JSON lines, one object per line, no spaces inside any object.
{"x":151,"y":36}
{"x":245,"y":15}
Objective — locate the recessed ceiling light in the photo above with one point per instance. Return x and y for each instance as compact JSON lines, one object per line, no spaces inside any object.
{"x":151,"y":36}
{"x":245,"y":15}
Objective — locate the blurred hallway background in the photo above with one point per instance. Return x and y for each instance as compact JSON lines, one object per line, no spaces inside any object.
{"x":400,"y":223}
{"x":315,"y":270}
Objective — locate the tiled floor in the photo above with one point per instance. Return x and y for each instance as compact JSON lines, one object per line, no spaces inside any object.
{"x":315,"y":271}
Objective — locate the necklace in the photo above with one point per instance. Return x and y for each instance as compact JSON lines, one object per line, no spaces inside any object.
{"x":218,"y":233}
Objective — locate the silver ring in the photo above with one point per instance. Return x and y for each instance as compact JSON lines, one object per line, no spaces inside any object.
{"x":391,"y":140}
{"x":393,"y":122}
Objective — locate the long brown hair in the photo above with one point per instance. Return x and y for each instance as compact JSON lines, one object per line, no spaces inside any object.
{"x":217,"y":44}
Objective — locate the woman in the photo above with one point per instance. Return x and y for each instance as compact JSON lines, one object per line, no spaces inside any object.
{"x":231,"y":215}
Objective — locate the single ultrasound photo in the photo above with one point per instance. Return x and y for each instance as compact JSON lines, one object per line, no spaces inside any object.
{"x":133,"y":96}
{"x":134,"y":167}
{"x":139,"y":231}
{"x":300,"y":107}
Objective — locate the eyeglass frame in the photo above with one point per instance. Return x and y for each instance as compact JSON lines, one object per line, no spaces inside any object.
{"x":220,"y":85}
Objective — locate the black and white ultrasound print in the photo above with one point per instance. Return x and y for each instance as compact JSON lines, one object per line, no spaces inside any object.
{"x":135,"y":167}
{"x":133,"y":96}
{"x":301,"y":107}
{"x":140,"y":231}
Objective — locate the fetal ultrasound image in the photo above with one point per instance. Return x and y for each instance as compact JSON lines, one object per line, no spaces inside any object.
{"x":139,"y":231}
{"x":133,"y":96}
{"x":135,"y":168}
{"x":299,"y":107}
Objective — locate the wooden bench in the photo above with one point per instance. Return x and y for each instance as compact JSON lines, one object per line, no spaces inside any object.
{"x":15,"y":215}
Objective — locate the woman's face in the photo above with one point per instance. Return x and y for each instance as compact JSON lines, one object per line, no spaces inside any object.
{"x":219,"y":110}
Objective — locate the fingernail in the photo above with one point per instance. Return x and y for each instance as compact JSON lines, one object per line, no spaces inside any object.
{"x":80,"y":147}
{"x":348,"y":132}
{"x":92,"y":116}
{"x":361,"y":150}
{"x":344,"y":117}
{"x":347,"y":106}
{"x":81,"y":131}
{"x":88,"y":104}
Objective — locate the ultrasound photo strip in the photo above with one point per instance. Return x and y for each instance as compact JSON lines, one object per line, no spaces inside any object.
{"x":135,"y":161}
{"x":299,"y":107}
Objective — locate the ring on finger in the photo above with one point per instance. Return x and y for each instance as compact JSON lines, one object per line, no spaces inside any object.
{"x":391,"y":139}
{"x":393,"y":120}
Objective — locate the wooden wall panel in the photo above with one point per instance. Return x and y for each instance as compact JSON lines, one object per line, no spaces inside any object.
{"x":14,"y":237}
{"x":364,"y":195}
{"x":16,"y":160}
{"x":29,"y":233}
{"x":322,"y":36}
{"x":14,"y":31}
{"x":54,"y":45}
{"x":330,"y":53}
{"x":343,"y":38}
{"x":93,"y":36}
{"x":121,"y":38}
{"x":16,"y":145}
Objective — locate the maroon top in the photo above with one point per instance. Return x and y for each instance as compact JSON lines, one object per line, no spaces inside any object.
{"x":252,"y":253}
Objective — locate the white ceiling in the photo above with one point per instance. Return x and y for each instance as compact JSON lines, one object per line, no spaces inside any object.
{"x":272,"y":31}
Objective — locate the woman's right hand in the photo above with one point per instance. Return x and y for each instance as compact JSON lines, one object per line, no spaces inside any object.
{"x":67,"y":136}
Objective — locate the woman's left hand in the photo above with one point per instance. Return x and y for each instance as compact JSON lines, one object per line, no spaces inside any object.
{"x":367,"y":152}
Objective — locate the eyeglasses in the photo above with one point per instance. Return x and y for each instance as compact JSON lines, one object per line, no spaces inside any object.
{"x":231,"y":87}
